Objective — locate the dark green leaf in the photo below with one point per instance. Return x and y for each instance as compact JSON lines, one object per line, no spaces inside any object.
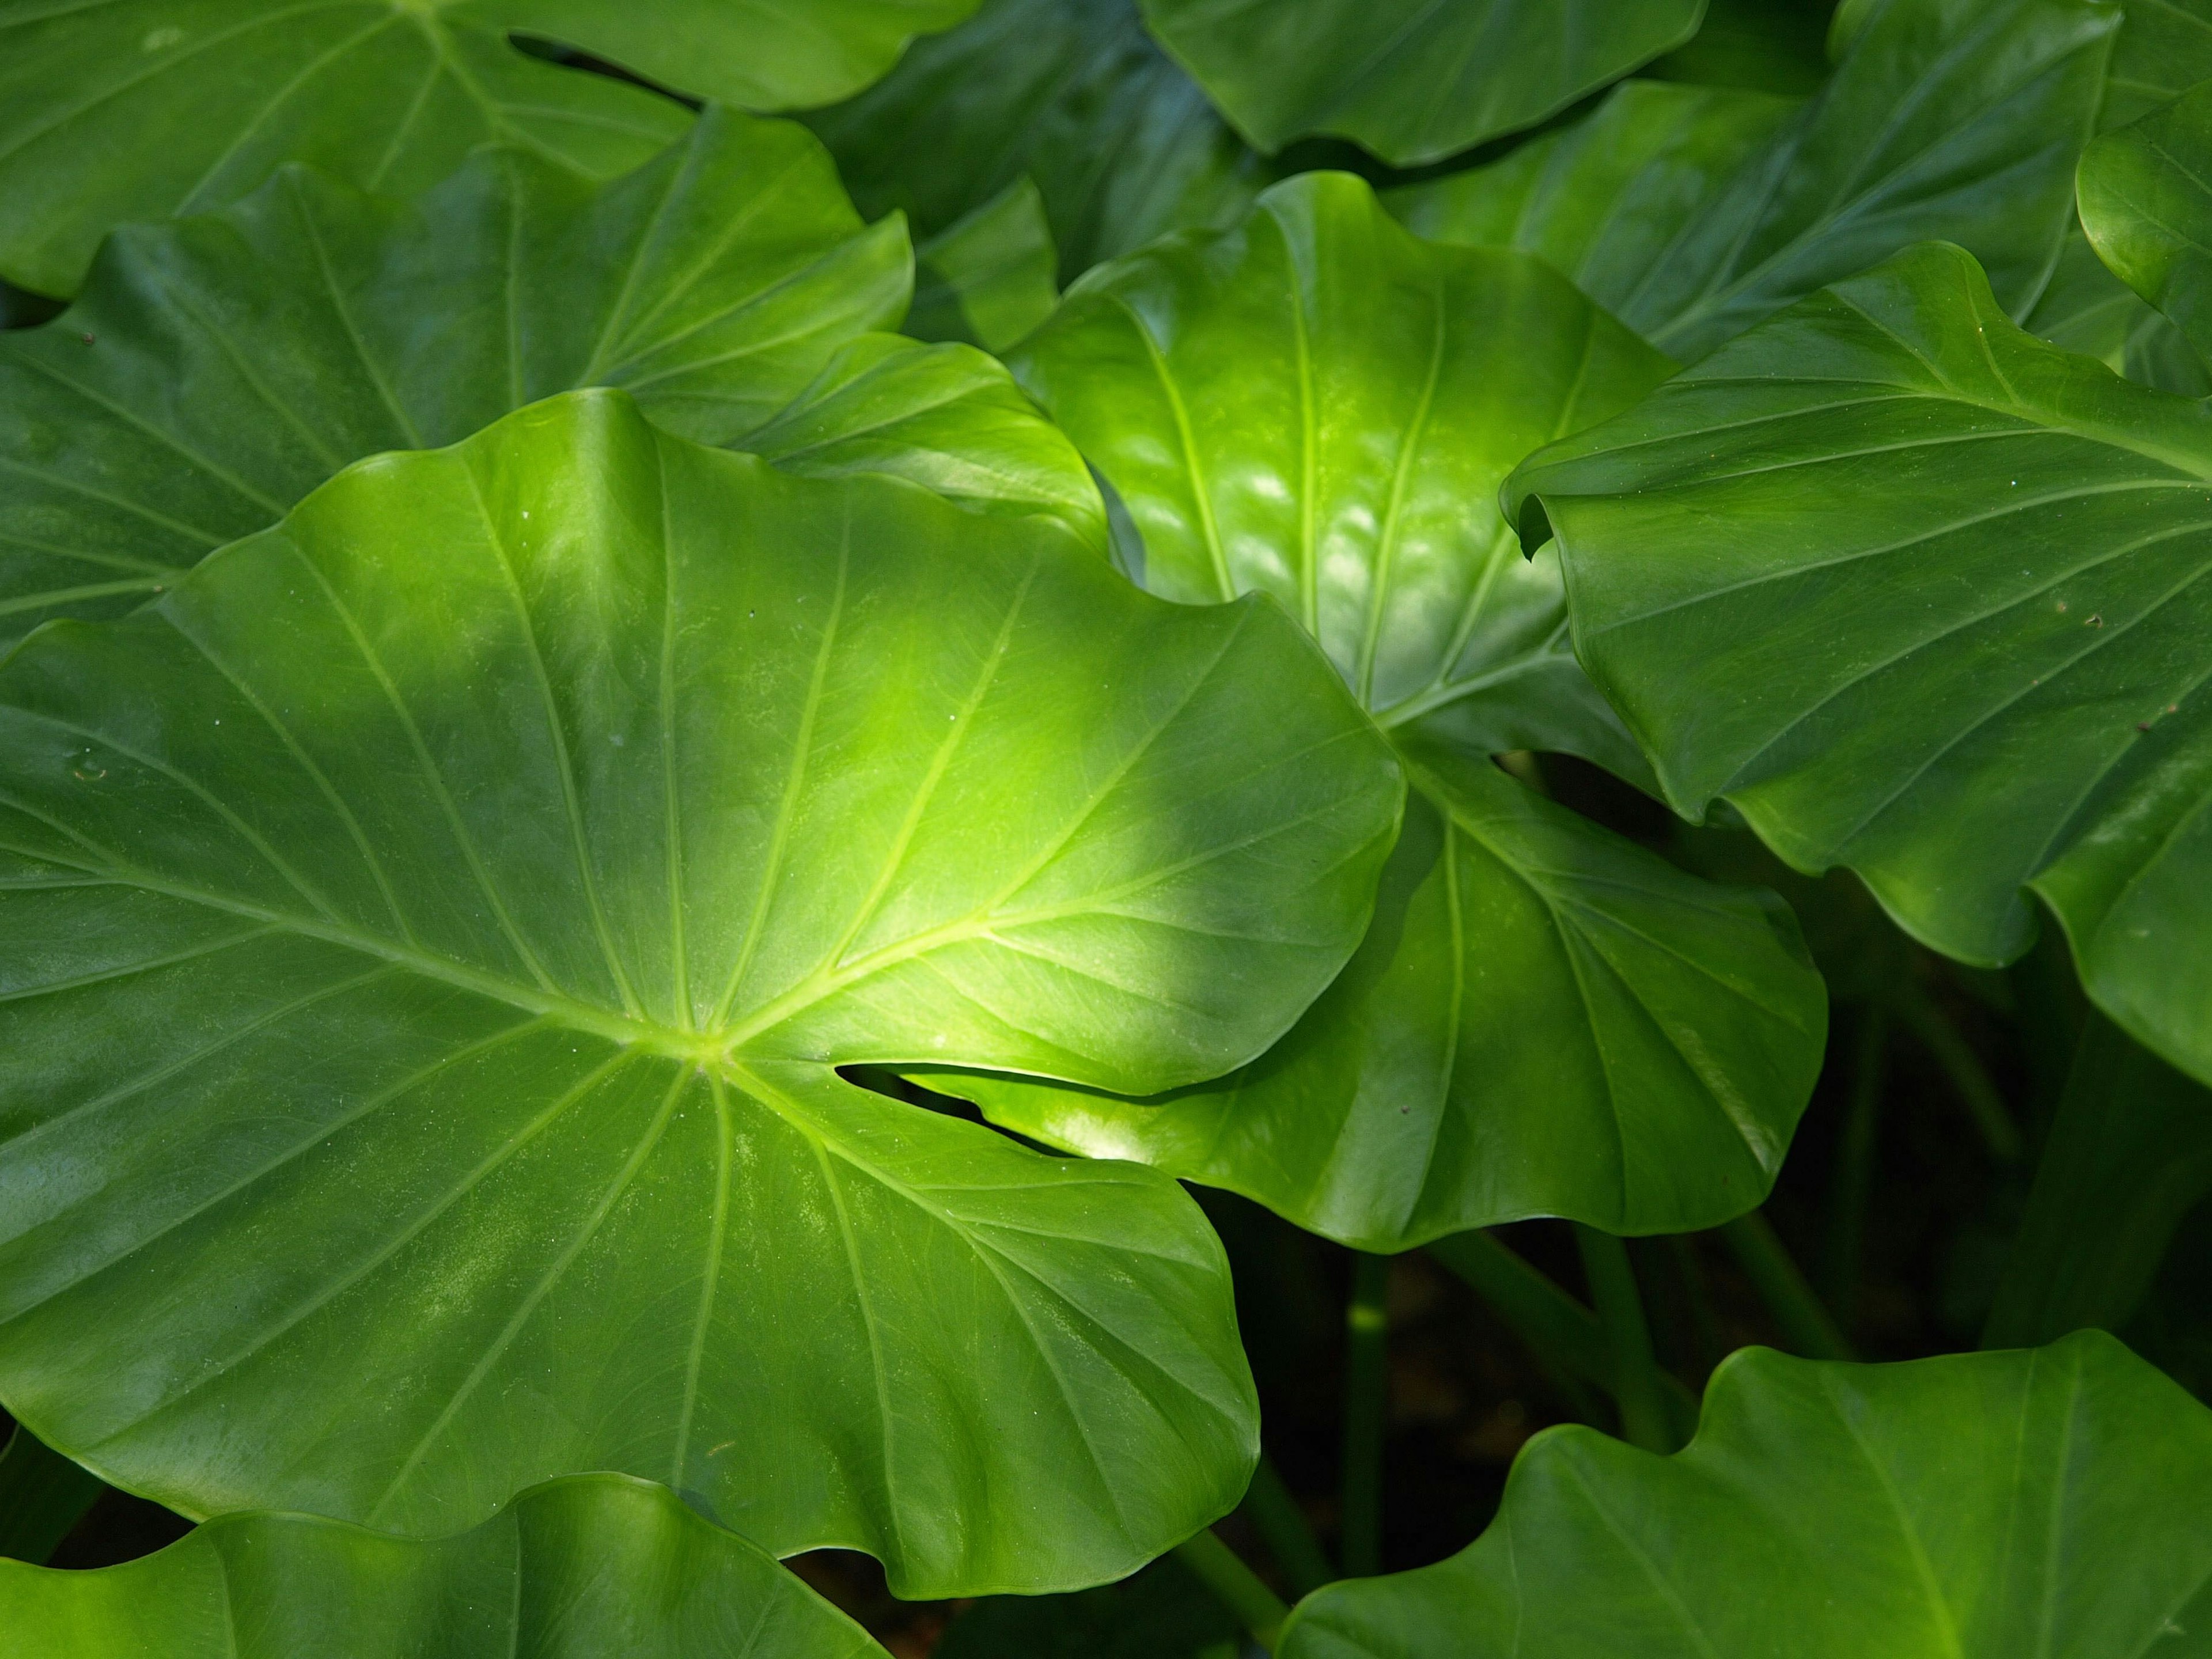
{"x":2147,"y":208}
{"x":1764,"y":45}
{"x":430,"y":932}
{"x":218,"y":369}
{"x":1956,"y":638}
{"x":1121,"y":145}
{"x":584,"y":1568}
{"x":1411,"y":80}
{"x":2165,"y":48}
{"x":1318,"y":406}
{"x":1961,"y":118}
{"x":137,"y":109}
{"x":1981,"y":1506}
{"x":990,"y":278}
{"x":2128,"y":1155}
{"x":42,"y":1496}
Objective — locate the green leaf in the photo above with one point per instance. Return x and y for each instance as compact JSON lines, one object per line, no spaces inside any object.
{"x":1961,"y":118}
{"x":1318,"y":406}
{"x":2146,"y":206}
{"x":1956,"y":639}
{"x":139,"y":109}
{"x":990,"y":278}
{"x":1606,"y":198}
{"x":1979,"y":1506}
{"x":2165,"y":48}
{"x":2085,"y":308}
{"x":1121,"y":145}
{"x":219,"y":368}
{"x":431,"y":931}
{"x":1411,"y":80}
{"x":580,"y":1568}
{"x":2128,"y":1155}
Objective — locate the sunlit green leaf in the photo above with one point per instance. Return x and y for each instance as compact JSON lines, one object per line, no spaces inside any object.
{"x":1411,"y":80}
{"x":1983,"y":1506}
{"x":138,"y":109}
{"x":1545,"y":1019}
{"x":1955,"y":636}
{"x":1119,"y":143}
{"x":218,"y":369}
{"x":582,"y":1568}
{"x":1958,"y":119}
{"x":430,"y":932}
{"x":990,"y":278}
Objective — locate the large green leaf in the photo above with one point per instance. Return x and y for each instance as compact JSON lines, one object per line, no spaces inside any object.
{"x":1544,"y":1018}
{"x":1954,"y":635}
{"x":125,"y":110}
{"x":1411,"y":80}
{"x":582,"y":1568}
{"x":989,"y":278}
{"x":1073,"y":93}
{"x":1959,"y":118}
{"x":430,"y":931}
{"x":2147,"y":207}
{"x":219,"y":368}
{"x":1983,"y":1506}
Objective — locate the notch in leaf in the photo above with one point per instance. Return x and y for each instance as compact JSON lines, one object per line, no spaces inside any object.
{"x":432,"y":930}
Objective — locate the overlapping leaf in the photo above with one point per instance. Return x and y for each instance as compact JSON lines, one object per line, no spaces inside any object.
{"x":220,"y":368}
{"x":130,"y":110}
{"x":430,"y":931}
{"x":1544,"y":1018}
{"x":1984,"y":1506}
{"x":1959,"y":118}
{"x":2165,"y":48}
{"x":1411,"y":81}
{"x":1954,"y":636}
{"x":1073,"y":93}
{"x":580,"y":1568}
{"x":2147,"y":207}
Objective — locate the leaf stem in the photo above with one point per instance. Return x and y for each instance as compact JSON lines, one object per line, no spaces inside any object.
{"x":1636,"y":1386}
{"x":1958,"y":1062}
{"x":1366,"y":1333}
{"x":1805,"y":1323}
{"x":1855,"y":1157}
{"x":1566,"y":1337}
{"x":1222,"y":1571}
{"x":1282,"y":1525}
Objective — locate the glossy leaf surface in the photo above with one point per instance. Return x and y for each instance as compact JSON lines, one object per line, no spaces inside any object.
{"x":2148,"y":209}
{"x":1958,"y":119}
{"x":218,"y":369}
{"x":1411,"y":81}
{"x":1120,"y":143}
{"x":575,"y":1569}
{"x":1318,"y":406}
{"x":140,"y":109}
{"x":1979,"y":1506}
{"x":431,"y":931}
{"x":1955,"y":639}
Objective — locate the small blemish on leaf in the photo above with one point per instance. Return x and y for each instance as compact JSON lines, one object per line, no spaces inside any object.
{"x":87,"y":338}
{"x":2094,"y":622}
{"x":160,"y":39}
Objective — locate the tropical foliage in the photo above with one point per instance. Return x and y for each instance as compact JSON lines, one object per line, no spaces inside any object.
{"x":762,"y":769}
